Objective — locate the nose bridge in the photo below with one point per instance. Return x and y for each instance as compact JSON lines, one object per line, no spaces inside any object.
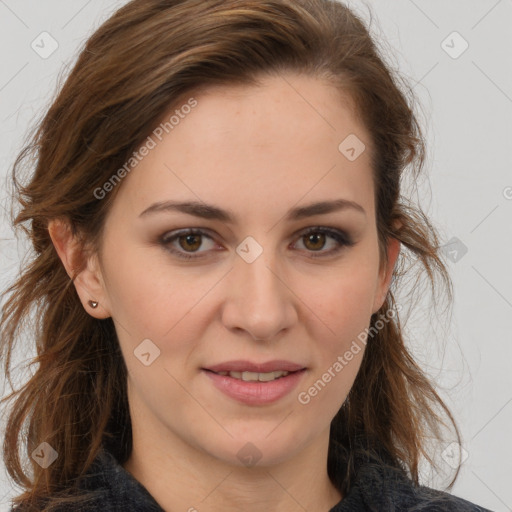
{"x":259,"y":300}
{"x":257,"y":264}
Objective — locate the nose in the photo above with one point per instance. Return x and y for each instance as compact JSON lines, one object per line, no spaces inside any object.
{"x":259,"y":299}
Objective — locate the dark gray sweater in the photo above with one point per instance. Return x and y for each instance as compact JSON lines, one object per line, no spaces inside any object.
{"x":375,"y":488}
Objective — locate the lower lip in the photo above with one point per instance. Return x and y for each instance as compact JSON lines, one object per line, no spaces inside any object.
{"x":256,"y":393}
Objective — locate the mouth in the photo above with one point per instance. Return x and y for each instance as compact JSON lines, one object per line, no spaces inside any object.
{"x":247,"y":376}
{"x":244,"y":366}
{"x":256,"y":383}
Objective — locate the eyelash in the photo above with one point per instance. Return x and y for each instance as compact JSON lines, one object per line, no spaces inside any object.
{"x":342,"y":238}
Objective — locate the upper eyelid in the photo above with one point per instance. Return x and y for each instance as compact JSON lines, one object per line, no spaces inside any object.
{"x":174,"y":234}
{"x":206,"y":231}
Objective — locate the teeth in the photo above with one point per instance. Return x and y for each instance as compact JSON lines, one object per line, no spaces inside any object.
{"x":255,"y":376}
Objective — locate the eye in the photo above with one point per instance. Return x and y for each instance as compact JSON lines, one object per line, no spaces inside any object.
{"x":314,"y":240}
{"x":315,"y":237}
{"x":187,"y":239}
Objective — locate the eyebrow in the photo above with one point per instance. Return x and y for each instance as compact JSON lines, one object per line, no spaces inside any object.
{"x":207,"y":211}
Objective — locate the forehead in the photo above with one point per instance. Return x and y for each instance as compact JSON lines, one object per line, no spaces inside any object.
{"x":269,"y":146}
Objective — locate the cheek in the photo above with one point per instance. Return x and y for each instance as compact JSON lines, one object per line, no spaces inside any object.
{"x":344,"y":304}
{"x":341,"y":316}
{"x":341,"y":313}
{"x":147,"y":296}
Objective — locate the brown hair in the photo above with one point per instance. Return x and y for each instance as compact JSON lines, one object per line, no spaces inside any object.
{"x":148,"y":56}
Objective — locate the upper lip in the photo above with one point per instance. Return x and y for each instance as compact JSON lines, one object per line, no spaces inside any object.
{"x":248,"y":366}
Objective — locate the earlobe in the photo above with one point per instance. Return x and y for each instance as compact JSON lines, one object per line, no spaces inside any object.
{"x":393,"y":250}
{"x":84,"y":269}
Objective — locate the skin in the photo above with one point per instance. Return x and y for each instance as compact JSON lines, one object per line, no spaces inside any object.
{"x":258,"y":151}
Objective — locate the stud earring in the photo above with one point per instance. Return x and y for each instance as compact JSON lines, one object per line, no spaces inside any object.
{"x":93,"y":304}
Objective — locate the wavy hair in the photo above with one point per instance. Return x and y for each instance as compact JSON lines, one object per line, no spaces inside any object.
{"x":145,"y":58}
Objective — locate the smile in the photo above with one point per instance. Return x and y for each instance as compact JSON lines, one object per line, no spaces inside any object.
{"x":255,"y":388}
{"x":255,"y":376}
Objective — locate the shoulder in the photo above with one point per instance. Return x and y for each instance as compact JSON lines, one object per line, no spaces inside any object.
{"x":425,"y":498}
{"x":114,"y":488}
{"x":377,"y":487}
{"x":105,"y":486}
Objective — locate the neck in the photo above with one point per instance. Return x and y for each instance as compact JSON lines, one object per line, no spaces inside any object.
{"x":196,"y":481}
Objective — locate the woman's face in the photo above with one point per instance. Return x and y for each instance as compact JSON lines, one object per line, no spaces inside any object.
{"x":249,"y":162}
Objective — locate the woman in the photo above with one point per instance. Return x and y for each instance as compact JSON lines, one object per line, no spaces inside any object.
{"x":217,"y":221}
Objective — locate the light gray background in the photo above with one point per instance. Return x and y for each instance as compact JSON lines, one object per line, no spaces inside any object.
{"x":467,"y":116}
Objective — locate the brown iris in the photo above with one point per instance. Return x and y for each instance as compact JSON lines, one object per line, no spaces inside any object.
{"x":189,"y":238}
{"x":315,"y":237}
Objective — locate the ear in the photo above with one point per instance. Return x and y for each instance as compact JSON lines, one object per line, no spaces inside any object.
{"x":386,"y":274}
{"x":81,"y":266}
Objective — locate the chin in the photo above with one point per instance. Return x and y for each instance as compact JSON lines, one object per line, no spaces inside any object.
{"x":256,"y":448}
